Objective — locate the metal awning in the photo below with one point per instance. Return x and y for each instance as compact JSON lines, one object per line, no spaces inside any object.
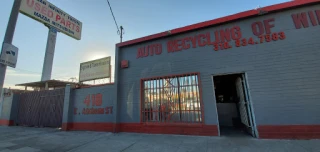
{"x":49,"y":83}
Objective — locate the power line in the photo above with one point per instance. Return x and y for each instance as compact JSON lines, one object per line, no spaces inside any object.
{"x":17,"y":69}
{"x":121,"y":31}
{"x":113,"y":16}
{"x":39,"y":73}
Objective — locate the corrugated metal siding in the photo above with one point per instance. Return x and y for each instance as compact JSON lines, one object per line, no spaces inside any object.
{"x":283,"y":76}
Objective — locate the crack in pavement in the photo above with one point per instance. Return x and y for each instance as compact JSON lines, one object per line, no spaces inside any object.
{"x":26,"y":136}
{"x":309,"y":150}
{"x":86,"y":143}
{"x":140,"y":138}
{"x":128,"y":147}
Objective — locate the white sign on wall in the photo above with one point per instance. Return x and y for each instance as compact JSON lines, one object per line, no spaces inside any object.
{"x":47,"y":13}
{"x":96,"y":69}
{"x":9,"y":55}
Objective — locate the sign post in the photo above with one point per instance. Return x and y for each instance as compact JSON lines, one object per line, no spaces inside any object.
{"x":9,"y":36}
{"x":48,"y":58}
{"x":57,"y":20}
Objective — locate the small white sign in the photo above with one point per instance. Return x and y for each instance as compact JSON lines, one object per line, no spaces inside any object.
{"x":9,"y":55}
{"x":96,"y":69}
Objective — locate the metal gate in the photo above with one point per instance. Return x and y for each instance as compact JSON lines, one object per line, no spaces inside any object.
{"x":41,"y":108}
{"x":244,"y":104}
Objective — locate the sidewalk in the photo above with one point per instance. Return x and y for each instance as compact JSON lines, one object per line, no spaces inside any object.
{"x":20,"y":139}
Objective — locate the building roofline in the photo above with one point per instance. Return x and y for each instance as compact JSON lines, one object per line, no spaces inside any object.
{"x":242,"y":15}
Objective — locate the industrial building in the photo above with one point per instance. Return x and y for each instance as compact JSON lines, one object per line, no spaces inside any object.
{"x":255,"y":73}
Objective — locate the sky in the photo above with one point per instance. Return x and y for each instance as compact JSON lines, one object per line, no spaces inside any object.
{"x":99,"y":33}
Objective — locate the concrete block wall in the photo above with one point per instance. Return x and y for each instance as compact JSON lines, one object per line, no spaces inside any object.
{"x":283,"y":75}
{"x":9,"y":108}
{"x":84,"y":113}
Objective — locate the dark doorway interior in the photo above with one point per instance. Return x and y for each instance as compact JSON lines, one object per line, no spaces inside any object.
{"x":228,"y":98}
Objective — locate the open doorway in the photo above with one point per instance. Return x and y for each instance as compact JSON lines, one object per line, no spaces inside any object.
{"x":234,"y":113}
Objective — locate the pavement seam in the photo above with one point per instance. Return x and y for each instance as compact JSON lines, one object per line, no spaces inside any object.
{"x":131,"y":145}
{"x":301,"y":146}
{"x":207,"y":145}
{"x":86,"y":143}
{"x":179,"y":145}
{"x":128,"y":146}
{"x":28,"y":136}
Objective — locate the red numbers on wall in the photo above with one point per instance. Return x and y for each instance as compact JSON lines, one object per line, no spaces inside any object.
{"x":268,"y":37}
{"x":250,"y":41}
{"x":261,"y":39}
{"x":221,"y":46}
{"x":94,"y":99}
{"x":87,"y":101}
{"x":272,"y":37}
{"x":244,"y":42}
{"x":282,"y":35}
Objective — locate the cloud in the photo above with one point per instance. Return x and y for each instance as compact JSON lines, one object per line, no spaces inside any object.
{"x":15,"y":73}
{"x":18,"y":76}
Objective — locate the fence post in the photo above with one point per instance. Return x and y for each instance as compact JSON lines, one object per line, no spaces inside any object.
{"x":116,"y":111}
{"x":1,"y":100}
{"x":66,"y":108}
{"x":8,"y":109}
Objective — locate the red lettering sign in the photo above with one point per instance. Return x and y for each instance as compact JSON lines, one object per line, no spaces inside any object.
{"x":87,"y":101}
{"x":149,"y":50}
{"x":96,"y":101}
{"x":236,"y":33}
{"x":221,"y":39}
{"x":95,"y":111}
{"x":259,"y":28}
{"x":301,"y":19}
{"x":58,"y":17}
{"x":268,"y":25}
{"x":225,"y":35}
{"x":312,"y":18}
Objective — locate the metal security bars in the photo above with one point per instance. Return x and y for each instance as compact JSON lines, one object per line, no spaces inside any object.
{"x":171,"y":99}
{"x":41,"y":108}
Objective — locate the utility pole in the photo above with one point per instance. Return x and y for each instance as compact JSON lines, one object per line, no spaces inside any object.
{"x":9,"y":37}
{"x":121,"y":33}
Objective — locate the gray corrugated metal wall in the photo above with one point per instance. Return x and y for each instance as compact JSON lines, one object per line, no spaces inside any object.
{"x":283,"y":76}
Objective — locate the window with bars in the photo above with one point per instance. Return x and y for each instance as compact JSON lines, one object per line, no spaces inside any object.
{"x":171,"y":99}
